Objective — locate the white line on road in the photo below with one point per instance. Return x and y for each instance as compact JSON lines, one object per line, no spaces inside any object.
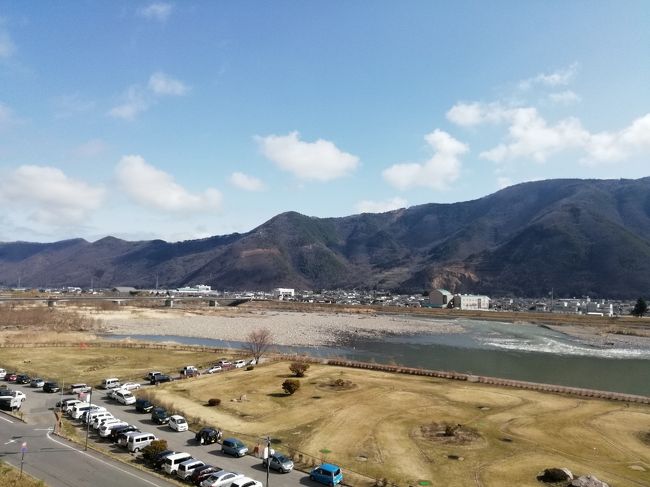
{"x":102,"y":461}
{"x":10,"y":442}
{"x":7,"y":420}
{"x":43,"y":429}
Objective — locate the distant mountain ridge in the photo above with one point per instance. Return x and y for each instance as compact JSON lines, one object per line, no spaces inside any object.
{"x":578,"y":237}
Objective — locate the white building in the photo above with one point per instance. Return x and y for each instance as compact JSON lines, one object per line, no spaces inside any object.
{"x":198,"y":289}
{"x":440,"y":298}
{"x":283,"y":293}
{"x":471,"y":301}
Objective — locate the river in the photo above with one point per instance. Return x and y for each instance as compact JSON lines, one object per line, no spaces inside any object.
{"x":522,"y":351}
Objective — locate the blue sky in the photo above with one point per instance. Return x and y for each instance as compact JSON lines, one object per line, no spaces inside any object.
{"x":185,"y":119}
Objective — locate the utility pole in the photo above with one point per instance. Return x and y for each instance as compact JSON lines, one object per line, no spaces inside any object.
{"x":267,"y":455}
{"x":90,"y":399}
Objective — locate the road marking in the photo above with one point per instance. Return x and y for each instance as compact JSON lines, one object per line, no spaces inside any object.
{"x":102,"y":461}
{"x":7,"y":420}
{"x":10,"y":442}
{"x":44,"y":429}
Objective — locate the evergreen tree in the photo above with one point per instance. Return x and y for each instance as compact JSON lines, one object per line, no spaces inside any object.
{"x":640,"y":308}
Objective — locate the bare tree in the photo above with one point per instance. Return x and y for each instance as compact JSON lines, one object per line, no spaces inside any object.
{"x":258,"y":342}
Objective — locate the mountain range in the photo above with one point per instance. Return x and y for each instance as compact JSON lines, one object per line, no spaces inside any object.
{"x":577,"y":237}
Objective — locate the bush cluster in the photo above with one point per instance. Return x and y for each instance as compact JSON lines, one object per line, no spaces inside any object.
{"x":299,"y":368}
{"x":149,"y":452}
{"x":290,"y":386}
{"x":214,"y":402}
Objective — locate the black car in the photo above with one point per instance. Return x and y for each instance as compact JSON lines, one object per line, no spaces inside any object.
{"x":50,"y":386}
{"x":159,"y":415}
{"x":207,"y":436}
{"x":158,"y":378}
{"x":202,"y":473}
{"x":159,"y":459}
{"x":23,"y":379}
{"x":116,"y":432}
{"x":143,"y":406}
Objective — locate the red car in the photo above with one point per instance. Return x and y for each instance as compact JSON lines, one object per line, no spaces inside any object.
{"x":10,"y":377}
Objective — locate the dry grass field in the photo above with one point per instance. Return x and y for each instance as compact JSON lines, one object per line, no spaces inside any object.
{"x":10,"y":477}
{"x":389,"y":426}
{"x":92,"y":364}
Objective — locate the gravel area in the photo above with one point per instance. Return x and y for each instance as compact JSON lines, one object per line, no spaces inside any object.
{"x":288,"y":328}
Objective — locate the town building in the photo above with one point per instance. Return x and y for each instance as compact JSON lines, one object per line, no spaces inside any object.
{"x":282,"y":293}
{"x":471,"y":301}
{"x":440,"y":298}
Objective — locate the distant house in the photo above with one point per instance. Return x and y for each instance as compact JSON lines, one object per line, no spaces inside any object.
{"x":283,"y":293}
{"x":471,"y":301}
{"x":440,"y":298}
{"x":124,"y":290}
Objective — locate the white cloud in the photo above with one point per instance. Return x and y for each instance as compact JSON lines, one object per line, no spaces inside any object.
{"x":136,"y":101}
{"x":91,"y":148}
{"x":318,"y":161}
{"x":368,"y":206}
{"x":156,"y":11}
{"x":442,"y":169}
{"x":566,"y":97}
{"x":7,"y":47}
{"x":561,"y":77}
{"x":155,"y":189}
{"x":70,"y":105}
{"x":531,"y":136}
{"x":246,"y":182}
{"x":49,"y":196}
{"x":162,"y":84}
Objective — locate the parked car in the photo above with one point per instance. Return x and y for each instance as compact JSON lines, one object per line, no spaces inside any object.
{"x":111,"y":383}
{"x":108,"y":426}
{"x":189,"y":370}
{"x":327,"y":474}
{"x":220,"y":479}
{"x":177,"y":423}
{"x":66,"y":404}
{"x":213,"y":369}
{"x":207,"y":436}
{"x":234,"y":447}
{"x":159,"y":415}
{"x":138,"y":441}
{"x":123,"y":438}
{"x":160,"y":458}
{"x":277,"y":461}
{"x":23,"y":379}
{"x":157,"y":379}
{"x":224,"y":364}
{"x":3,"y":373}
{"x":202,"y":473}
{"x":130,"y":386}
{"x":79,"y":388}
{"x":172,"y":462}
{"x":124,"y":397}
{"x":186,"y":468}
{"x":116,"y":432}
{"x":240,"y":364}
{"x":51,"y":386}
{"x":10,"y":377}
{"x":246,"y":482}
{"x":37,"y":382}
{"x":152,"y":374}
{"x":143,"y":405}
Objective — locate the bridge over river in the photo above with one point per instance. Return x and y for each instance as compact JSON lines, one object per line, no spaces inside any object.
{"x":169,"y":301}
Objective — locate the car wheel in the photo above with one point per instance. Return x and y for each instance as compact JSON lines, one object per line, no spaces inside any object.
{"x":201,"y":441}
{"x":136,"y":450}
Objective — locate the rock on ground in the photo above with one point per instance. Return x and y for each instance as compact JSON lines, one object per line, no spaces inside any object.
{"x":555,"y":475}
{"x":588,"y":481}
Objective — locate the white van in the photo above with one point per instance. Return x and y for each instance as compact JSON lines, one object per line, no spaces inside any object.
{"x":82,"y":407}
{"x":3,"y":373}
{"x":79,"y":388}
{"x":137,"y":442}
{"x":124,"y":397}
{"x":111,"y":383}
{"x":186,"y":468}
{"x":108,"y":426}
{"x":94,"y":416}
{"x":172,"y":462}
{"x":246,"y":482}
{"x":99,"y":422}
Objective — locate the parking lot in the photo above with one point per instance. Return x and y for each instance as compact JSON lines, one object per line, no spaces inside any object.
{"x":38,"y":410}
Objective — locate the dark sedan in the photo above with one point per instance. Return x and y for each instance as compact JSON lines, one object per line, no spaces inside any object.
{"x":51,"y":386}
{"x":23,"y":379}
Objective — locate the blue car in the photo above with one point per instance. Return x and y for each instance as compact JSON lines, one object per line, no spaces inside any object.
{"x":327,"y":474}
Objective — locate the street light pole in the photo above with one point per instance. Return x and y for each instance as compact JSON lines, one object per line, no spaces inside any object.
{"x":90,"y":399}
{"x":268,"y":459}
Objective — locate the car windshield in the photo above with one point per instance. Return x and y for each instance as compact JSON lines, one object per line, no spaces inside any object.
{"x":180,"y":421}
{"x":281,"y":458}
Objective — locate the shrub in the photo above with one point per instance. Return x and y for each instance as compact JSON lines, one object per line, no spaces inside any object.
{"x":299,"y":368}
{"x":250,"y":367}
{"x":149,"y":452}
{"x":290,"y":386}
{"x":214,"y":402}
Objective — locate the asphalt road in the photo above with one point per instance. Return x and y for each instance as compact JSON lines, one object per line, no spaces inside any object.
{"x":60,"y":463}
{"x":38,"y":410}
